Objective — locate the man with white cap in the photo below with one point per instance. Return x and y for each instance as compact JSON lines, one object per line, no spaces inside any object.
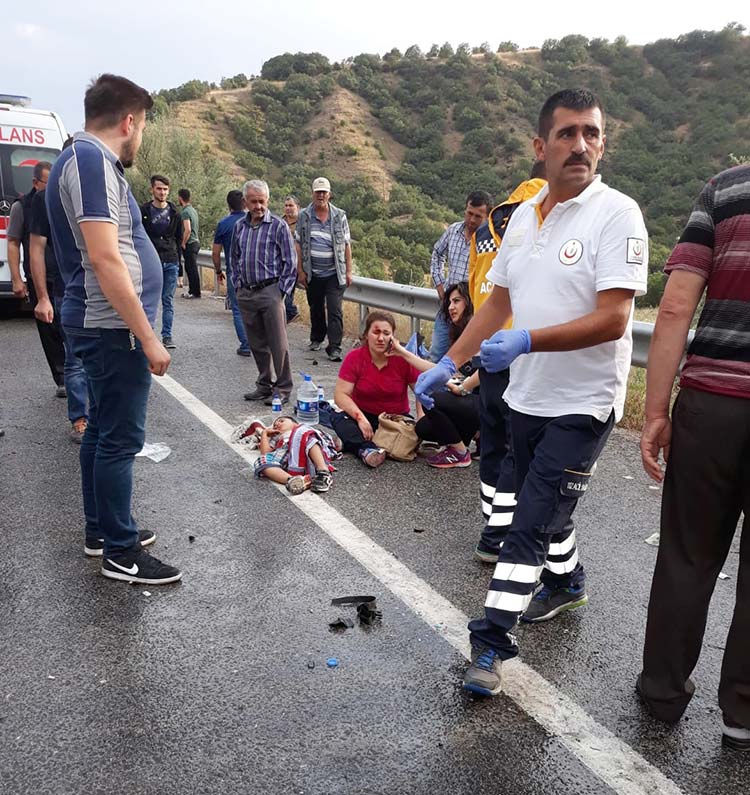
{"x":324,"y":266}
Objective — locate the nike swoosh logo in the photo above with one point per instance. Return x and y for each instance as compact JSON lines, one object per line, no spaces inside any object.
{"x":132,"y":570}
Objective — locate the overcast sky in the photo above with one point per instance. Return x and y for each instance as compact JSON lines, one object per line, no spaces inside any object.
{"x":52,"y":51}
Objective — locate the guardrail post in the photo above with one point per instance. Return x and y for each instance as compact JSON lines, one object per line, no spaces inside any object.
{"x":415,"y":325}
{"x":363,"y":312}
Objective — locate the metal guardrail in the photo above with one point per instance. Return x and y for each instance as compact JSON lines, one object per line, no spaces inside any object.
{"x":419,"y":303}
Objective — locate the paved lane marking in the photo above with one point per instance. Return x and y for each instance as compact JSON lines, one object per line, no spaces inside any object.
{"x":602,"y":752}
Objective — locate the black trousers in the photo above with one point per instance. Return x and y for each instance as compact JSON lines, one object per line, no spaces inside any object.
{"x":706,"y":488}
{"x":190,"y":255}
{"x":325,"y":296}
{"x":348,"y":431}
{"x":453,"y":419}
{"x":50,"y":335}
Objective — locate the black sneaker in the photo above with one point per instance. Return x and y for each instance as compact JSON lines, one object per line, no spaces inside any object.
{"x":549,"y":602}
{"x":136,"y":565}
{"x":314,"y":346}
{"x":94,"y":548}
{"x":334,"y":354}
{"x":322,"y":482}
{"x":168,"y":343}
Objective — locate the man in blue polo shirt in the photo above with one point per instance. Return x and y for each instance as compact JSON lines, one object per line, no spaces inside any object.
{"x":113,"y":285}
{"x":222,"y":241}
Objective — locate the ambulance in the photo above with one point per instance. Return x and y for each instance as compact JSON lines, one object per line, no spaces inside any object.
{"x":26,"y":137}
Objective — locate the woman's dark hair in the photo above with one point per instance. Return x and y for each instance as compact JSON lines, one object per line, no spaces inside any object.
{"x":373,"y":317}
{"x":456,"y":329}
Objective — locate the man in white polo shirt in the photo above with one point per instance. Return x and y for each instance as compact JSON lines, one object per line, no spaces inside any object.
{"x":572,"y":260}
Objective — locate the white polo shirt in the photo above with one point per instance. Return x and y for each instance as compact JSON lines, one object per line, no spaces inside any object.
{"x":595,"y":241}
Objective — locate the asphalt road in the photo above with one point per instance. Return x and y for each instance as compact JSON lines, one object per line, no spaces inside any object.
{"x":219,"y":684}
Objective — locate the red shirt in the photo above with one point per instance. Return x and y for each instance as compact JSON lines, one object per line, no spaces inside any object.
{"x":377,"y":390}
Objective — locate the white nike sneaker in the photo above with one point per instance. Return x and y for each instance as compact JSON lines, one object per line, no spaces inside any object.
{"x":136,"y":565}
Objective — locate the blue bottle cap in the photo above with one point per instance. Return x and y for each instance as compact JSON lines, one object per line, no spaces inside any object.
{"x":332,"y":662}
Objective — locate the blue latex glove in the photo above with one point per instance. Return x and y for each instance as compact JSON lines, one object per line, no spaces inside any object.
{"x":503,"y":347}
{"x":434,"y":379}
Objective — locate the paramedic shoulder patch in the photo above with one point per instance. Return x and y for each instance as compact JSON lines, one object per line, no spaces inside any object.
{"x":636,"y":250}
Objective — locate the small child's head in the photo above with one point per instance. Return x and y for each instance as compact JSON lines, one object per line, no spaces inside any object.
{"x":283,"y":424}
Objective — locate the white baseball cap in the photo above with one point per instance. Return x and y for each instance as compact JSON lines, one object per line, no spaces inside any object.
{"x":321,"y":183}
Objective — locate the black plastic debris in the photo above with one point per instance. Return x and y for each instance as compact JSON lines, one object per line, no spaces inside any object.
{"x":367,"y":607}
{"x":315,"y":361}
{"x":352,"y":600}
{"x":191,"y":539}
{"x":341,"y":623}
{"x":367,"y":613}
{"x":419,"y":529}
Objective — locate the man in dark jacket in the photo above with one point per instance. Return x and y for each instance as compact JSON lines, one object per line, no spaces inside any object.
{"x":161,"y":220}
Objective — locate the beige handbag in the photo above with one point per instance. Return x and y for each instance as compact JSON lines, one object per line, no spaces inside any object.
{"x":396,"y":435}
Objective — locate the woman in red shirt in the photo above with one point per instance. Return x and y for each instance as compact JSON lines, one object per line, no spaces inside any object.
{"x":370,"y":382}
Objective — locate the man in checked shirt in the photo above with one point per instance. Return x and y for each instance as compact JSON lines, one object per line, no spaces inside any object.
{"x":264,"y":271}
{"x":454,"y":247}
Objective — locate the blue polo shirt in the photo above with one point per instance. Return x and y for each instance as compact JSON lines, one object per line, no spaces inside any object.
{"x":87,"y":183}
{"x":223,"y":235}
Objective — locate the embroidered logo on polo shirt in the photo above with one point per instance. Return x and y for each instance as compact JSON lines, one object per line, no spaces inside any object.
{"x":571,"y":252}
{"x":636,"y":250}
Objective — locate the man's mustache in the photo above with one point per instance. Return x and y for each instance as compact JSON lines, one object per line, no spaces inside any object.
{"x":577,"y":160}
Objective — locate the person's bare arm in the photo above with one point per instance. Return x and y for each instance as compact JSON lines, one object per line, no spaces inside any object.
{"x":676,"y":310}
{"x":397,"y":349}
{"x":14,"y":263}
{"x":301,"y":277}
{"x":606,"y":323}
{"x":43,"y":310}
{"x":348,"y":257}
{"x":114,"y":280}
{"x":186,"y":229}
{"x":342,"y":395}
{"x":491,"y":317}
{"x":216,"y":259}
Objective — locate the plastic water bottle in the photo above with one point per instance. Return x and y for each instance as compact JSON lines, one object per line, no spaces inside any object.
{"x":276,"y":406}
{"x":321,"y":396}
{"x":307,"y":402}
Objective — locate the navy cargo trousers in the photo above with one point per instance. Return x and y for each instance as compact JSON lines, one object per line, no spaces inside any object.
{"x":554,"y":459}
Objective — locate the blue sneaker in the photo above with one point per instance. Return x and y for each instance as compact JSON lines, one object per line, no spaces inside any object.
{"x":549,"y":602}
{"x":483,"y":675}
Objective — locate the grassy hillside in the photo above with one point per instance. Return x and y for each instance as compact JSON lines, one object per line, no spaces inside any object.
{"x":404,"y":137}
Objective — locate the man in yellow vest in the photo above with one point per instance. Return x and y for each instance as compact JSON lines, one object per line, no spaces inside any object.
{"x":496,"y":465}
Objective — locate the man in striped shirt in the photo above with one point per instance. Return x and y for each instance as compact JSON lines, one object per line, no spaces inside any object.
{"x":264,"y":271}
{"x":324,"y":252}
{"x":454,"y":247}
{"x":707,"y":443}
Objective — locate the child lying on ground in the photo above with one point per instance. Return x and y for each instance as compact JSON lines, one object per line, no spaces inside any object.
{"x":296,"y":456}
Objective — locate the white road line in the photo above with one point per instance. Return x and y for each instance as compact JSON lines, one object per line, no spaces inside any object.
{"x":612,"y":760}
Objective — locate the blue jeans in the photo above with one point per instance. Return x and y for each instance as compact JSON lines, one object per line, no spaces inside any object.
{"x":239,"y":326}
{"x":169,"y":270}
{"x":74,"y":375}
{"x":440,"y":340}
{"x":290,"y":306}
{"x":119,"y":383}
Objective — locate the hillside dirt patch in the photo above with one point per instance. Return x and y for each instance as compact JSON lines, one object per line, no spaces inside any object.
{"x":206,"y":118}
{"x":347,"y":137}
